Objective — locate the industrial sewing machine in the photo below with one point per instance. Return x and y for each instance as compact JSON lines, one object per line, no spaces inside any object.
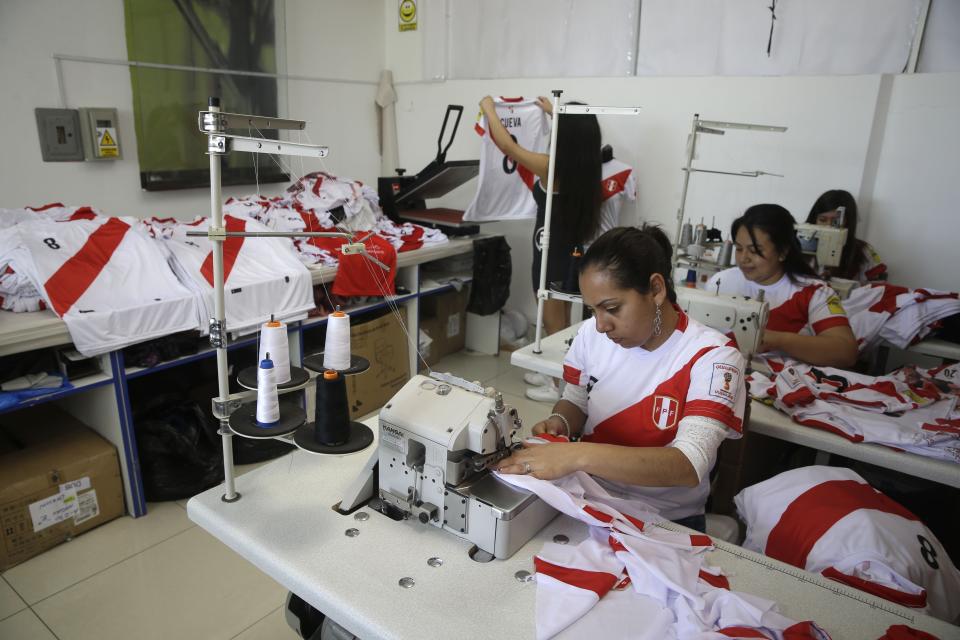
{"x":824,"y":242}
{"x":742,"y":316}
{"x":439,"y":437}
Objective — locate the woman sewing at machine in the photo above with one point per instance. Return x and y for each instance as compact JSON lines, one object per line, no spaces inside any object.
{"x":859,"y":260}
{"x":576,"y":208}
{"x":807,"y":321}
{"x":650,"y":392}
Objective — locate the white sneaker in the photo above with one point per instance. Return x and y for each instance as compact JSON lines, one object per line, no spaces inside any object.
{"x":546,"y":393}
{"x":536,"y":379}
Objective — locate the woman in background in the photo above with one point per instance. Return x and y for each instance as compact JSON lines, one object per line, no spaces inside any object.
{"x":859,"y":260}
{"x":807,"y":321}
{"x":576,"y":209}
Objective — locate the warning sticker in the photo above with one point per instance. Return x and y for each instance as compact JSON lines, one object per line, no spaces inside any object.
{"x":107,"y":142}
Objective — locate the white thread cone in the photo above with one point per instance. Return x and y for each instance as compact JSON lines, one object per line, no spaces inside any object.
{"x":268,"y":403}
{"x":273,"y":340}
{"x":336,"y":350}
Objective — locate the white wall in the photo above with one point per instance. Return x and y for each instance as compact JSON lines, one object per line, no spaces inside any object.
{"x":327,"y":39}
{"x":914,"y":216}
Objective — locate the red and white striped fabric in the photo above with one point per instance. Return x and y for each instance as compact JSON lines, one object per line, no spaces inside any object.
{"x":900,"y":316}
{"x":618,"y":184}
{"x":807,"y":307}
{"x":828,"y":520}
{"x":637,"y":397}
{"x":52,"y":211}
{"x":631,"y":579}
{"x":909,"y":410}
{"x":263,"y":277}
{"x":111,"y":285}
{"x":505,"y":187}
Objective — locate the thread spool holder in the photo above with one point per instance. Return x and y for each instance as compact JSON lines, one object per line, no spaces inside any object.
{"x":360,"y":435}
{"x":247,"y":378}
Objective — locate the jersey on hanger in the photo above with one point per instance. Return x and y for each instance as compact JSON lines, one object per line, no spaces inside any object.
{"x":828,"y":520}
{"x":504,"y":187}
{"x":637,"y":397}
{"x":110,"y":285}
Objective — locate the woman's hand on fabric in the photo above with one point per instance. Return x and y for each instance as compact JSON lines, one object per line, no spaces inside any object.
{"x":552,"y":425}
{"x":545,"y":104}
{"x":543,"y":461}
{"x":487,"y":106}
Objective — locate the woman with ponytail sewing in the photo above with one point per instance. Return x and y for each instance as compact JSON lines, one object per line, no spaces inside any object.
{"x":807,"y":321}
{"x":651,"y":393}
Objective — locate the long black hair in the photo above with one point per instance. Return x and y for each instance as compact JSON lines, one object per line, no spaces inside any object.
{"x":853,"y":256}
{"x":578,"y":175}
{"x":777,"y":223}
{"x":631,"y":256}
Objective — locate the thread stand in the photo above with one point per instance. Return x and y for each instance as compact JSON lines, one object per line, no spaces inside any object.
{"x":243,"y":422}
{"x":247,"y":379}
{"x":359,"y":436}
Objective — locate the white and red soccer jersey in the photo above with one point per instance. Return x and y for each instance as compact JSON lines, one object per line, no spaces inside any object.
{"x":617,"y":185}
{"x":632,"y":579}
{"x":110,"y":284}
{"x":807,"y":307}
{"x":263,"y":277}
{"x":505,"y":187}
{"x":358,"y":276}
{"x":52,"y":211}
{"x":901,"y":316}
{"x":637,"y":397}
{"x":828,"y":520}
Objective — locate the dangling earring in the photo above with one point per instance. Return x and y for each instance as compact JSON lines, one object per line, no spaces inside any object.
{"x":658,"y":322}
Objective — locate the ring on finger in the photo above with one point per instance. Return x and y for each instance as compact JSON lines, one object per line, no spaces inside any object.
{"x":526,"y":467}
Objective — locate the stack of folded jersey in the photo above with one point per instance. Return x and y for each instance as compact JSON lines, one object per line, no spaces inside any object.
{"x":901,"y":316}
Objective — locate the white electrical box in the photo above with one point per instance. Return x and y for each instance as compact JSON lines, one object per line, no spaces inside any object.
{"x":101,"y":140}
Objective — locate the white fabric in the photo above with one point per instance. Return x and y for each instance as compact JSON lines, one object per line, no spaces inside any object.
{"x":633,"y":579}
{"x":110,"y":284}
{"x":698,"y":439}
{"x":901,"y":316}
{"x":264,"y":279}
{"x":637,"y":397}
{"x":618,"y":184}
{"x":505,"y":187}
{"x":386,"y":100}
{"x":911,"y":409}
{"x":868,"y":536}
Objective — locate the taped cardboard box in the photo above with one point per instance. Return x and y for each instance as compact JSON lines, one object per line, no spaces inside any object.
{"x":443,"y":319}
{"x":58,"y":478}
{"x":384,"y":343}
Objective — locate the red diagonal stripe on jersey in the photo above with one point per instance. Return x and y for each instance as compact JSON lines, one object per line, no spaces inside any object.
{"x":612,"y":185}
{"x":903,"y":632}
{"x":743,"y":632}
{"x":52,"y":205}
{"x":915,"y":600}
{"x":75,"y":276}
{"x":600,"y":582}
{"x":526,"y":175}
{"x":718,"y":581}
{"x":816,"y":510}
{"x":599,"y":515}
{"x":888,"y":301}
{"x":231,"y":247}
{"x":571,"y":375}
{"x":715,"y":410}
{"x":793,"y":314}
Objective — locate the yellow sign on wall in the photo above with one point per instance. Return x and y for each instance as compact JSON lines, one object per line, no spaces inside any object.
{"x":407,"y":14}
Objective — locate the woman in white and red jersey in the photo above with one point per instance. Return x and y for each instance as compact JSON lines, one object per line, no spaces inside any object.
{"x":651,"y":393}
{"x":807,"y":321}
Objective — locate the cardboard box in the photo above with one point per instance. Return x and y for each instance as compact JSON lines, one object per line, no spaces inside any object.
{"x":443,"y":318}
{"x":383,"y":342}
{"x":58,"y":478}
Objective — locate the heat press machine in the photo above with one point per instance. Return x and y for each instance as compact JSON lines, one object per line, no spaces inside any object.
{"x":824,"y":242}
{"x":439,"y":438}
{"x":403,"y":197}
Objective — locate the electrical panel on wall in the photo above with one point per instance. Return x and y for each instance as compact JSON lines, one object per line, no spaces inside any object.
{"x":59,"y":131}
{"x":99,"y":131}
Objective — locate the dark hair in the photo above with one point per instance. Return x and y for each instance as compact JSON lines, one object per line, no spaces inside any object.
{"x":578,"y":174}
{"x":852,"y":258}
{"x":631,"y":255}
{"x":777,"y":223}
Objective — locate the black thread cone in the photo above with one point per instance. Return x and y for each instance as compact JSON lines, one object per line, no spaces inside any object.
{"x":332,"y":413}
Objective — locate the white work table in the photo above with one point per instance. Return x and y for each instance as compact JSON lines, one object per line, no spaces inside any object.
{"x":769,"y":421}
{"x":285,"y":525}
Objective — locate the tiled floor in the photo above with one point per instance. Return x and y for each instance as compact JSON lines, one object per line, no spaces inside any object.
{"x":161,"y":576}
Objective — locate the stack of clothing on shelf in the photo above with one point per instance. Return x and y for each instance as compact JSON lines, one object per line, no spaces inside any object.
{"x":900,"y":316}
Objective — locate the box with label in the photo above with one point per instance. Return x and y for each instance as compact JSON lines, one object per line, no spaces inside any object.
{"x":58,"y":478}
{"x":384,"y":343}
{"x":443,"y":318}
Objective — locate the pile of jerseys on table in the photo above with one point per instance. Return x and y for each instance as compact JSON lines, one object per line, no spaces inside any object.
{"x":321,"y":202}
{"x":897,"y":315}
{"x":116,"y":281}
{"x":633,"y":579}
{"x":910,"y":409}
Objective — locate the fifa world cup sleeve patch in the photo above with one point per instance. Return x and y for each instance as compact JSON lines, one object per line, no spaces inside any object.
{"x":835,"y":307}
{"x":724,"y":381}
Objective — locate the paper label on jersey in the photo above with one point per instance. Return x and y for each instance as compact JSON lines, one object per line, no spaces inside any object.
{"x":453,"y":325}
{"x":107,"y":142}
{"x":407,"y":14}
{"x":50,"y":511}
{"x":724,"y":381}
{"x":665,"y":410}
{"x":78,"y":485}
{"x":87,"y":507}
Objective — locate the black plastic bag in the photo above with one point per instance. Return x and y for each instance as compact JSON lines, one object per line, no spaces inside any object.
{"x":492,"y":267}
